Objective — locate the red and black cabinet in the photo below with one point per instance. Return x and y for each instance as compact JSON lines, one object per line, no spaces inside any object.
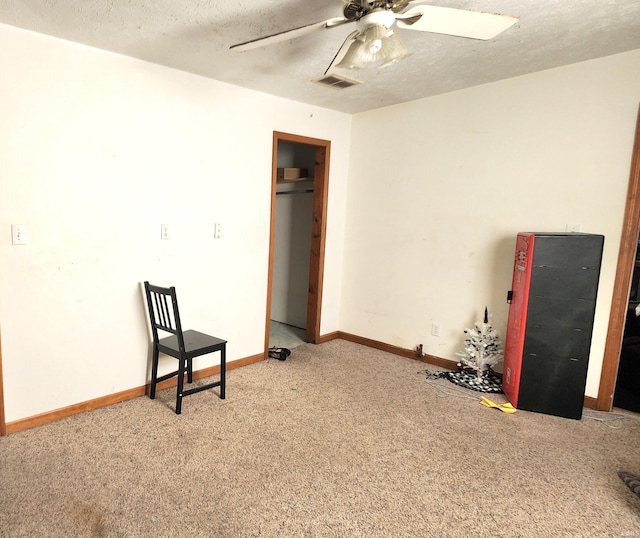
{"x":548,"y":338}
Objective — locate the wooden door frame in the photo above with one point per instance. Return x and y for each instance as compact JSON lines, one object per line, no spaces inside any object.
{"x":318,"y":230}
{"x":622,"y":282}
{"x":3,"y":424}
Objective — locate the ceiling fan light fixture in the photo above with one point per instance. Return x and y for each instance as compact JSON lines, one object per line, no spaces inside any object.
{"x":376,"y":45}
{"x":373,"y":38}
{"x":353,"y":57}
{"x":393,"y":51}
{"x":365,"y":48}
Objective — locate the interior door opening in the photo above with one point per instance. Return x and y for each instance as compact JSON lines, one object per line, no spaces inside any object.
{"x":622,"y":283}
{"x":627,"y":388}
{"x":296,"y":253}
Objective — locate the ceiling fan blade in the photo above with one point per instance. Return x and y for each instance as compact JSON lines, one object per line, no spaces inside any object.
{"x":288,"y":34}
{"x":456,"y":22}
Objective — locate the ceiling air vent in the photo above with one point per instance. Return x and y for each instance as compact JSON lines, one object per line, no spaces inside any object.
{"x":338,"y":81}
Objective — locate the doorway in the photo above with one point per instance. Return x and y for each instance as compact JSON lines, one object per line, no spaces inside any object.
{"x":622,"y":283}
{"x":627,"y":389}
{"x":298,"y":297}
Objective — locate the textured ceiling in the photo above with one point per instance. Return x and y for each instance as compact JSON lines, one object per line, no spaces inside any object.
{"x":195,"y":36}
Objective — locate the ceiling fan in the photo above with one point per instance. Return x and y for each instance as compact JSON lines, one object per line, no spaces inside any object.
{"x":374,"y":41}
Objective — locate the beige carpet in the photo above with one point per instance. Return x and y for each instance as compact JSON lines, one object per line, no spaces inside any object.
{"x":337,"y":441}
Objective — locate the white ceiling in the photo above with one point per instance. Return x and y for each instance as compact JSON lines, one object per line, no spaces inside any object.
{"x":195,"y":36}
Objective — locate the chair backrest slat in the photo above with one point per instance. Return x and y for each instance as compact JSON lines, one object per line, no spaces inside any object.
{"x":163,"y":314}
{"x":163,"y":311}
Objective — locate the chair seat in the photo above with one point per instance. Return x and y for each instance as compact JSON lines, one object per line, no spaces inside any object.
{"x":195,"y":343}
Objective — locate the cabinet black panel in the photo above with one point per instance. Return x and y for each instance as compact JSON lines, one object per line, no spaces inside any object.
{"x":568,"y":250}
{"x":551,"y":385}
{"x":551,"y":311}
{"x":555,"y":284}
{"x":557,"y":340}
{"x":564,"y":282}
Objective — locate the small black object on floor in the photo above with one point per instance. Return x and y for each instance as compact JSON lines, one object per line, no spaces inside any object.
{"x":280,"y":353}
{"x":631,"y":480}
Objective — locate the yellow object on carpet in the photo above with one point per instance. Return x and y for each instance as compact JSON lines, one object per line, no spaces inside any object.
{"x":505,"y":407}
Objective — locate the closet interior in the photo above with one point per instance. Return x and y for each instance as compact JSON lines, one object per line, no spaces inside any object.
{"x":292,"y":244}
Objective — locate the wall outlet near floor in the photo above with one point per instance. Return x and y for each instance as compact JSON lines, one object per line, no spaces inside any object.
{"x":436,"y":329}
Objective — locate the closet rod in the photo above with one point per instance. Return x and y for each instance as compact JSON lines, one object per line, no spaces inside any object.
{"x":294,"y":192}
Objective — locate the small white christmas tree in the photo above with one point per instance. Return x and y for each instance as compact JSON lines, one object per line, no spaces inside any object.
{"x":482,"y":348}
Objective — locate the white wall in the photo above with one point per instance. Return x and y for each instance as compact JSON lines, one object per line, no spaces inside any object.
{"x":439,"y":187}
{"x":98,"y":150}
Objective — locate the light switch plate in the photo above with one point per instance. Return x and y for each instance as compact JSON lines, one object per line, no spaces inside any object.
{"x":18,"y":234}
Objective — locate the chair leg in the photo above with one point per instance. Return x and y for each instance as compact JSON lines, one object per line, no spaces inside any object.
{"x":154,"y":373}
{"x":223,"y":371}
{"x":182,"y":368}
{"x":189,"y":370}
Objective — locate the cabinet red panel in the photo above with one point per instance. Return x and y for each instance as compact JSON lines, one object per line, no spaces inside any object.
{"x":514,"y":340}
{"x":548,"y":339}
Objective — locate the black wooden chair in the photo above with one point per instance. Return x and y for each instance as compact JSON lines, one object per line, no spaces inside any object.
{"x":183,"y":345}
